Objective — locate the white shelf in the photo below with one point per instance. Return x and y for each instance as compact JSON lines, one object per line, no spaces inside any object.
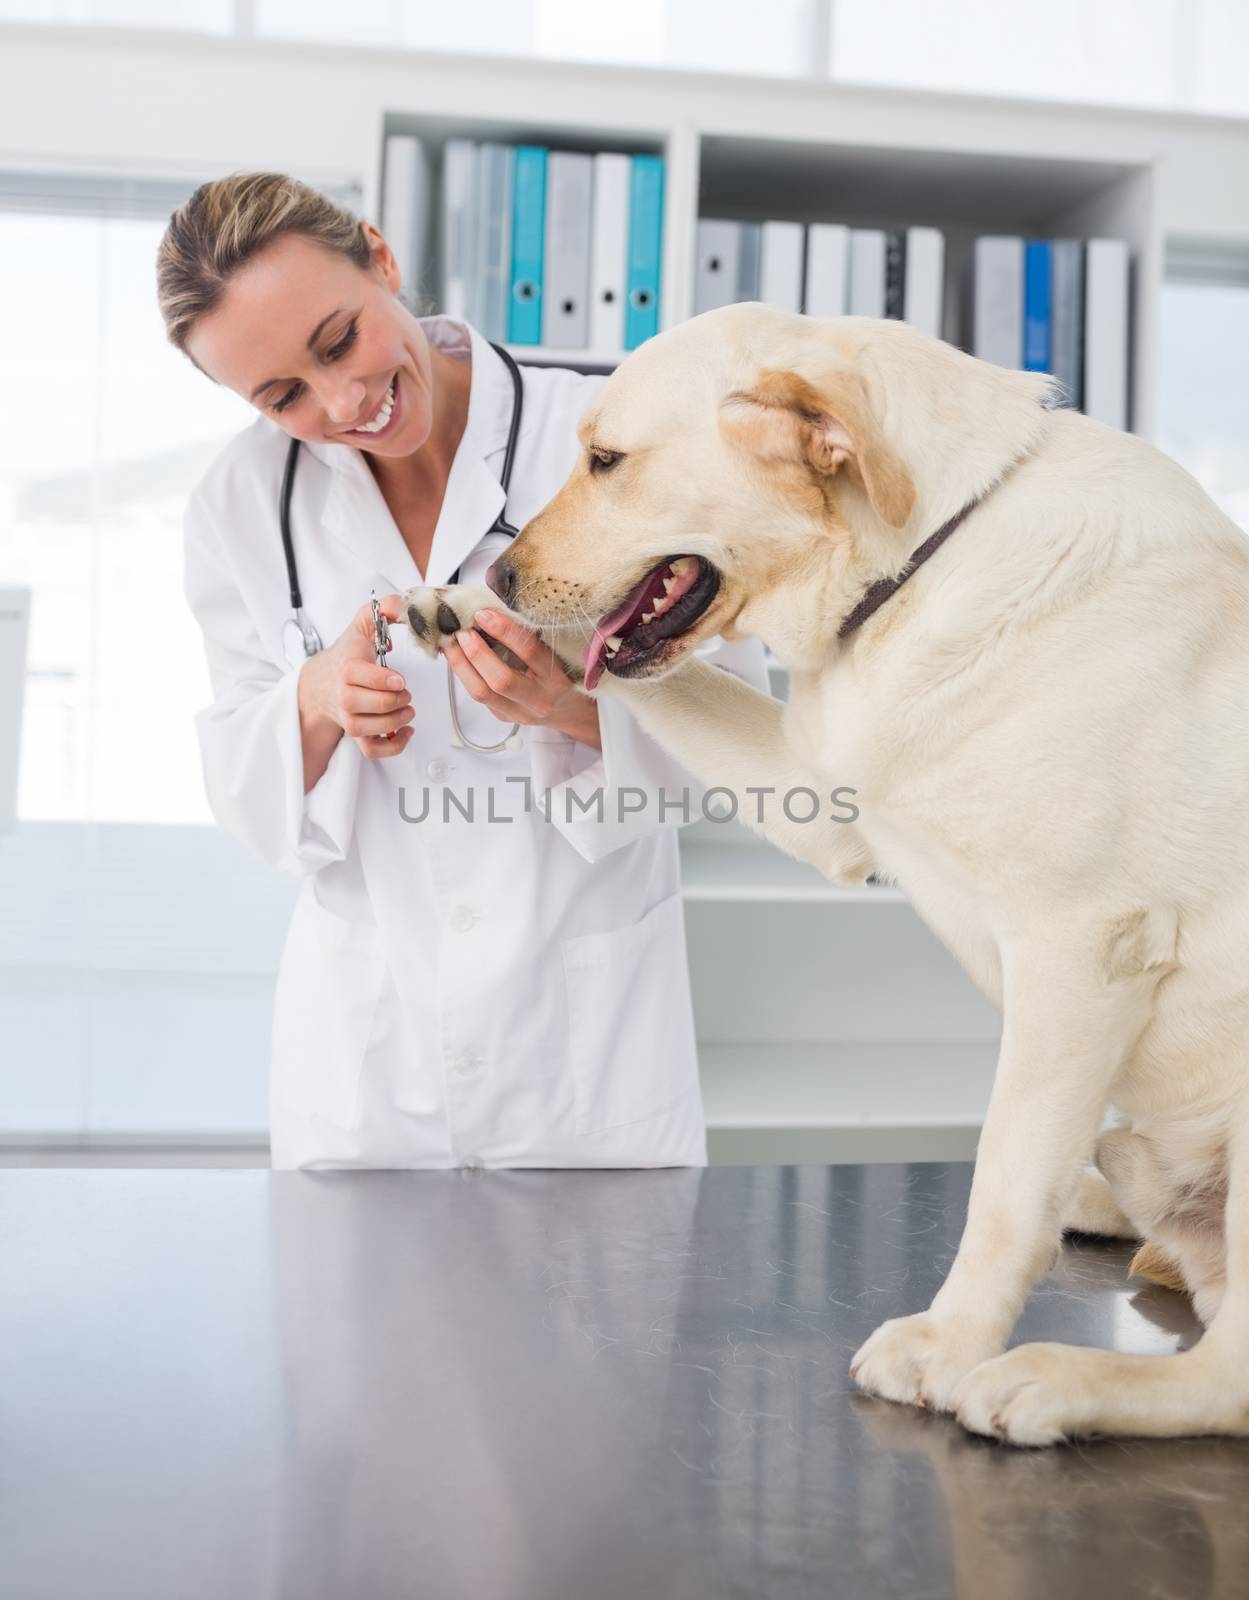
{"x":757,"y":872}
{"x":545,"y":355}
{"x":839,"y":1084}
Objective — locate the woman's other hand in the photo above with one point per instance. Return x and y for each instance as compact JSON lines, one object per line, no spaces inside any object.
{"x":344,"y":686}
{"x":540,"y":694}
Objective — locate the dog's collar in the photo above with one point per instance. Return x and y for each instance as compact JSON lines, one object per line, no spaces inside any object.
{"x":875,"y":595}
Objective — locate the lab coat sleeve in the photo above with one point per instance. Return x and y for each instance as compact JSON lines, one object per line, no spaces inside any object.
{"x":249,"y":737}
{"x":633,"y":787}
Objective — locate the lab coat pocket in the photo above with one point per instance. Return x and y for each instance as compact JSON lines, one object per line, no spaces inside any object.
{"x":324,"y":1005}
{"x":630,"y":1022}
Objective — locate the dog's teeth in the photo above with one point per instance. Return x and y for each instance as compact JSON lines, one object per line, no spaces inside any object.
{"x":661,"y":604}
{"x":648,"y":616}
{"x":614,"y":641}
{"x":680,"y":564}
{"x":669,"y":583}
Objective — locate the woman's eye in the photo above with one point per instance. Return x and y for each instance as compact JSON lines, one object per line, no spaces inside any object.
{"x":340,"y":349}
{"x":603,"y":460}
{"x":344,"y":344}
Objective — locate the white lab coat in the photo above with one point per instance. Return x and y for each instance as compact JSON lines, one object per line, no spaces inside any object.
{"x":511,"y":991}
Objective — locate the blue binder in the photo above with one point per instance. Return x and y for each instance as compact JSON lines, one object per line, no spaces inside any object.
{"x":524,"y":321}
{"x":646,"y":222}
{"x":1036,"y":306}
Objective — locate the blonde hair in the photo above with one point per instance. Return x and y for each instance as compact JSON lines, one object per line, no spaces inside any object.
{"x":227,"y":223}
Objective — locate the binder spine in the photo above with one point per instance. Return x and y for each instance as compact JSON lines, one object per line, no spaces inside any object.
{"x":528,"y":222}
{"x":895,"y":274}
{"x":1036,"y":337}
{"x":646,"y":194}
{"x":566,"y":262}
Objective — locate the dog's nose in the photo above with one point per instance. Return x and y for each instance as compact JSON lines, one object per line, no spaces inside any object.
{"x":501,"y":577}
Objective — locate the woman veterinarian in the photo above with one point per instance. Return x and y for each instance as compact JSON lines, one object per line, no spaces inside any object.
{"x":502,"y":991}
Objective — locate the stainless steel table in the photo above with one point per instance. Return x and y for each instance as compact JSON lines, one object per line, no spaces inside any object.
{"x":547,"y":1384}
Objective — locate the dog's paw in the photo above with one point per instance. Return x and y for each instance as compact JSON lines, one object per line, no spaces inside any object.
{"x":436,"y":615}
{"x":919,"y":1360}
{"x":1033,"y":1395}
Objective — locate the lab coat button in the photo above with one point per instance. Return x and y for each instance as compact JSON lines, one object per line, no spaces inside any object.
{"x":465,"y":1066}
{"x":462,"y":918}
{"x":470,"y":1165}
{"x":437,"y":769}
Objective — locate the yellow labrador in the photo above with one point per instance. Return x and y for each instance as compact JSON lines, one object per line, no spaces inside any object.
{"x":1047,"y":729}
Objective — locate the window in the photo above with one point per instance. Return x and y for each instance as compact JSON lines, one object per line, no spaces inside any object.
{"x":104,"y":431}
{"x":1203,"y":355}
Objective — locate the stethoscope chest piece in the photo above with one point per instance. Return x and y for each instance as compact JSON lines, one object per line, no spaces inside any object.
{"x":300,"y":639}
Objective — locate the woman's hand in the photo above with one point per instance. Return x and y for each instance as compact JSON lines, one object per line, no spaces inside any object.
{"x":539,"y":694}
{"x":344,"y":685}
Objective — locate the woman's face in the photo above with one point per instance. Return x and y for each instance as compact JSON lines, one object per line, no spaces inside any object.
{"x":315,"y":343}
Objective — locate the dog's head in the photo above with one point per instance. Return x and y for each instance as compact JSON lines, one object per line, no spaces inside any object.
{"x":727,"y":468}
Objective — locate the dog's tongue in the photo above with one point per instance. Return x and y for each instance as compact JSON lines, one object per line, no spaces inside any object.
{"x":595,"y":658}
{"x":626,"y":614}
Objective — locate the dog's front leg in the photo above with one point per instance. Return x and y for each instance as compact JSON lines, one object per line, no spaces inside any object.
{"x":732,"y":736}
{"x":1068,"y":1026}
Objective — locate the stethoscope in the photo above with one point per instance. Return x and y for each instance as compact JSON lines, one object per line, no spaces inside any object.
{"x":300,"y":638}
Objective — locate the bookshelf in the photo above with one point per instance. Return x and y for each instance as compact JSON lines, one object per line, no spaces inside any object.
{"x":755,"y":178}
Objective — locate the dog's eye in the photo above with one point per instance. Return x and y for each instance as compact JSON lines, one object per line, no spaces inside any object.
{"x":604,"y":460}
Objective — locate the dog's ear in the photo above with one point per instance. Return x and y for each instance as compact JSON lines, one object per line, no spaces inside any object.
{"x":786,"y":417}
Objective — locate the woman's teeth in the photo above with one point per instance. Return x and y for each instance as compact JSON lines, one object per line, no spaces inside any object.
{"x":383,"y":416}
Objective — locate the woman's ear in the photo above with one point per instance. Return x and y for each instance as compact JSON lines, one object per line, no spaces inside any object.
{"x":786,"y":417}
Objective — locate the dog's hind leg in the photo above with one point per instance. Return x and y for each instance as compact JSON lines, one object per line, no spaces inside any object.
{"x":1093,"y":1209}
{"x":1040,"y":1393}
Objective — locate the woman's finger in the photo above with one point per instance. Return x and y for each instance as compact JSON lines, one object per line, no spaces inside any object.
{"x":506,"y":710}
{"x":522,"y":641}
{"x":387,"y":745}
{"x":496,"y":674}
{"x":372,"y":702}
{"x":366,"y":727}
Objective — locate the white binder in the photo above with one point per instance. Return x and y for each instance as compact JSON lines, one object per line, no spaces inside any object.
{"x":997,"y":319}
{"x":459,"y":228}
{"x":14,"y":626}
{"x":1106,"y":331}
{"x":780,"y":266}
{"x":827,"y":255}
{"x":492,"y":285}
{"x":609,"y":248}
{"x":566,"y":250}
{"x":715,"y":282}
{"x":866,"y":297}
{"x":924,"y":285}
{"x":749,"y":253}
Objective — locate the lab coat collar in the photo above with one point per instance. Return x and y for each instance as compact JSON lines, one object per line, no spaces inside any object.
{"x":357,"y":514}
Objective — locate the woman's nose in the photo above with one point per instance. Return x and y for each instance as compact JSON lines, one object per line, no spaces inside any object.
{"x":343,"y":399}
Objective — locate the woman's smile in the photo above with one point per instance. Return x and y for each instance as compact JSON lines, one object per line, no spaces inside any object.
{"x":387,"y":414}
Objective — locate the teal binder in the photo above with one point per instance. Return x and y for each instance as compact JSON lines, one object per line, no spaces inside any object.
{"x":646,"y":223}
{"x":524,"y":320}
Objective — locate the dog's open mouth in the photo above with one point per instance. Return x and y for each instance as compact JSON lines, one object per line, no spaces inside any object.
{"x":667,"y":603}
